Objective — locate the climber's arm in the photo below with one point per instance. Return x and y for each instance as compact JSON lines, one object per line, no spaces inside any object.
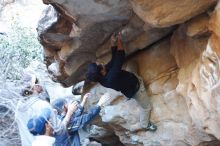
{"x":79,"y":122}
{"x":109,"y":64}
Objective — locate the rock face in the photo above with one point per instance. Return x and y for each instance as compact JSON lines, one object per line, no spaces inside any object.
{"x":170,"y":12}
{"x":71,"y":43}
{"x":179,"y":65}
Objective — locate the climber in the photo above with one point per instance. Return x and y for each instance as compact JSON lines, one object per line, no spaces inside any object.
{"x":70,"y":136}
{"x":112,"y":76}
{"x":41,"y":126}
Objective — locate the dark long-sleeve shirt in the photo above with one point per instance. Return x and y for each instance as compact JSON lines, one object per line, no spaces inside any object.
{"x":119,"y":79}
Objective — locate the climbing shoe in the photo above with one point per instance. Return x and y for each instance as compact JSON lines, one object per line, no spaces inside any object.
{"x":151,"y":127}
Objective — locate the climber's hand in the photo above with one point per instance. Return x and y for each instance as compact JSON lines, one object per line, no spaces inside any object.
{"x":104,"y":100}
{"x":85,"y":97}
{"x":113,"y":40}
{"x":119,"y":42}
{"x":72,"y":107}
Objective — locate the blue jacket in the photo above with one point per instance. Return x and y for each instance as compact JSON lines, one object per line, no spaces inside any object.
{"x":70,"y":136}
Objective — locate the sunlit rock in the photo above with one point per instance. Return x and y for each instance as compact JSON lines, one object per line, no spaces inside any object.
{"x":179,"y":65}
{"x":160,"y":13}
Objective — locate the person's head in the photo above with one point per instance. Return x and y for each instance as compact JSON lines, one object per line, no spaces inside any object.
{"x":37,"y":89}
{"x":29,"y":79}
{"x":60,"y":104}
{"x":28,"y":85}
{"x":95,"y":72}
{"x":30,"y":90}
{"x":39,"y":125}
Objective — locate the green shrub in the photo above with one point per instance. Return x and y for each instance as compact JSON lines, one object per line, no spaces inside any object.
{"x":17,"y":49}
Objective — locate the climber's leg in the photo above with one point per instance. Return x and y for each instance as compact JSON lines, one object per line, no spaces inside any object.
{"x":143,"y":99}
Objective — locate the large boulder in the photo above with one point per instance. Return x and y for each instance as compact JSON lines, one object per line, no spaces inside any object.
{"x":199,"y":77}
{"x":161,"y":13}
{"x":200,"y":84}
{"x":82,"y":26}
{"x":198,"y":26}
{"x":186,"y":49}
{"x":170,"y":109}
{"x":80,"y":34}
{"x":180,"y":70}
